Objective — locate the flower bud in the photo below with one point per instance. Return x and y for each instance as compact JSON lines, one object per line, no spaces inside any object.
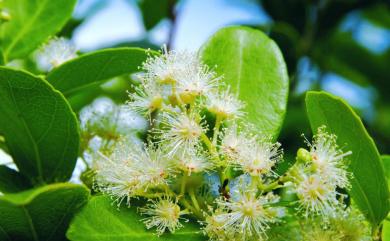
{"x":303,"y":155}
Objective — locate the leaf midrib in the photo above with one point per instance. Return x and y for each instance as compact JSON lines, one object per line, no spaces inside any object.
{"x":5,"y":233}
{"x":24,"y":30}
{"x":62,"y":219}
{"x":29,"y":134}
{"x":30,"y":222}
{"x":239,"y":65}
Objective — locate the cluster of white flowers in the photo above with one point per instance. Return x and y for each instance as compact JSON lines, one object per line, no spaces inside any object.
{"x":246,"y":217}
{"x":320,"y":173}
{"x":197,"y":131}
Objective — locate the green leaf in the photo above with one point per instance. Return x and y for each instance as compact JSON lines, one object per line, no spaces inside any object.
{"x":101,"y":220}
{"x":40,"y":129}
{"x":94,"y":68}
{"x":378,"y":15}
{"x":254,"y":67}
{"x":386,"y":223}
{"x":41,"y":214}
{"x":31,"y":23}
{"x":386,"y":165}
{"x":12,"y":181}
{"x":1,"y":58}
{"x":373,"y":70}
{"x":154,"y":11}
{"x":369,"y":187}
{"x":386,"y":230}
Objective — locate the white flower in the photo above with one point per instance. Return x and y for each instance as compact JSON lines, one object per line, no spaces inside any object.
{"x":163,"y":214}
{"x":54,"y":53}
{"x":195,"y":82}
{"x":193,"y":160}
{"x":258,"y":158}
{"x":233,"y":142}
{"x":146,"y":99}
{"x":250,"y":216}
{"x":316,"y":196}
{"x":183,"y":131}
{"x":183,"y":70}
{"x":131,"y":170}
{"x":115,"y":178}
{"x":328,"y":159}
{"x":224,"y":105}
{"x":169,"y":66}
{"x":214,"y":228}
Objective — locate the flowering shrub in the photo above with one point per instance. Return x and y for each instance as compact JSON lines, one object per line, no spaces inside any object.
{"x":187,"y":150}
{"x":201,"y":159}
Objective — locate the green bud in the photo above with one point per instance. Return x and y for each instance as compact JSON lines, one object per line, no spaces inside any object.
{"x":303,"y":155}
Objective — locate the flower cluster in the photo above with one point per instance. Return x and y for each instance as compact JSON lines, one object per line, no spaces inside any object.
{"x":320,"y":174}
{"x":200,"y":158}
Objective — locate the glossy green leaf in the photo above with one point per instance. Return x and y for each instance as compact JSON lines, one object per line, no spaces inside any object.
{"x":253,"y":66}
{"x":93,"y":68}
{"x":386,"y":165}
{"x":100,"y":220}
{"x":41,"y":214}
{"x":386,"y":223}
{"x":12,"y":181}
{"x":31,"y":23}
{"x":40,"y":129}
{"x":369,"y":187}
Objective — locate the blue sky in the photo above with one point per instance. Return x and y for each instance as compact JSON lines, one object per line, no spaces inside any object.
{"x":119,"y":20}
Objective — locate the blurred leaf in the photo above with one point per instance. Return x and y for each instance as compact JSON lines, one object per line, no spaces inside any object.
{"x":155,"y":11}
{"x":378,"y":15}
{"x":123,"y":224}
{"x":290,"y":11}
{"x":40,"y":129}
{"x":254,"y":67}
{"x":12,"y":181}
{"x":85,"y":97}
{"x":287,"y":39}
{"x":1,"y":58}
{"x":382,"y":122}
{"x":41,"y":214}
{"x":32,"y":22}
{"x":345,"y":56}
{"x":331,"y":13}
{"x":96,"y":67}
{"x":369,"y":187}
{"x":117,"y":91}
{"x":70,"y":26}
